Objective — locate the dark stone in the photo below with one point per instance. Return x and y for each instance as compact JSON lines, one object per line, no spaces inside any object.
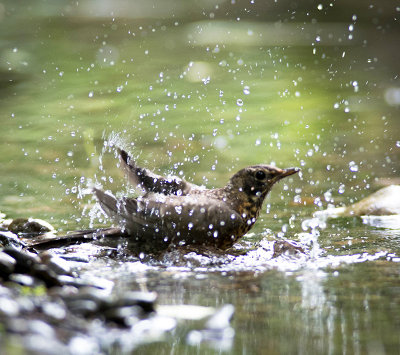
{"x":49,"y":277}
{"x":125,"y":316}
{"x":56,"y":264}
{"x":24,"y":261}
{"x":9,"y":239}
{"x":7,"y":265}
{"x":145,"y":300}
{"x":82,"y":307}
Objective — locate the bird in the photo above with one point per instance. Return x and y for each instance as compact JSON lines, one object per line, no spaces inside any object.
{"x":172,"y":211}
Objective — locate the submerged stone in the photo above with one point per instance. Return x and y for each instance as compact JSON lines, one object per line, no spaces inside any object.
{"x":383,"y":202}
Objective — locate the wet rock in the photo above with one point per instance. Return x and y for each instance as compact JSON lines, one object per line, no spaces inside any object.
{"x":54,"y":310}
{"x":9,"y":239}
{"x":90,"y":282}
{"x":90,"y":293}
{"x":126,"y":316}
{"x":29,"y":226}
{"x":83,"y":345}
{"x":23,"y":280}
{"x":82,"y":306}
{"x":383,"y":202}
{"x":75,"y":257}
{"x":8,"y":307}
{"x":56,"y":264}
{"x":17,"y":325}
{"x":7,"y":265}
{"x":49,"y":277}
{"x":145,"y":300}
{"x":39,"y":327}
{"x":24,"y":260}
{"x":38,"y":344}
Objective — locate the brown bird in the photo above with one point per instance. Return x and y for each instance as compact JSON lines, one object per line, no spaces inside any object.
{"x":173,"y":211}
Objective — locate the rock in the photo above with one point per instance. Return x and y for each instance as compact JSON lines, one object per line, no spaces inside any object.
{"x":221,"y":318}
{"x":8,"y":307}
{"x":49,"y":277}
{"x":145,"y":300}
{"x":59,"y":265}
{"x":383,"y":202}
{"x":24,"y":260}
{"x":54,"y":310}
{"x":82,"y":306}
{"x":29,"y":226}
{"x":9,"y":239}
{"x":23,"y":280}
{"x":125,"y":316}
{"x":7,"y":265}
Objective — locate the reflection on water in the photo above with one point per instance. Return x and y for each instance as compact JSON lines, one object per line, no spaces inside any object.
{"x":200,"y":90}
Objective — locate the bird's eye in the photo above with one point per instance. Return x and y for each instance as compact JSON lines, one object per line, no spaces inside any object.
{"x":260,"y":175}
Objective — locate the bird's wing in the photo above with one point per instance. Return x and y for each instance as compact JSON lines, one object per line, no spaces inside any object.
{"x":150,"y":182}
{"x":194,"y":219}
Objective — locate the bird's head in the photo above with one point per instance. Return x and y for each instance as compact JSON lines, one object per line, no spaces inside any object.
{"x":256,"y":181}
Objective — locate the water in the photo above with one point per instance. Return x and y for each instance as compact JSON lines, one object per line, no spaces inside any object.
{"x":200,"y":94}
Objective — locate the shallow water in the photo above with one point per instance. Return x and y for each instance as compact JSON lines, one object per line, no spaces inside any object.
{"x":198,"y":93}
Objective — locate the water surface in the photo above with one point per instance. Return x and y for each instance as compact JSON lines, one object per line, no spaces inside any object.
{"x":200,"y":92}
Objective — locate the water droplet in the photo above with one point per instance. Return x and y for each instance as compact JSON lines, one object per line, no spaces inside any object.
{"x":190,"y":225}
{"x":246,"y":90}
{"x":320,"y":7}
{"x":178,"y":209}
{"x":90,"y":94}
{"x":353,"y":166}
{"x":398,"y":144}
{"x":341,"y":189}
{"x":239,"y":102}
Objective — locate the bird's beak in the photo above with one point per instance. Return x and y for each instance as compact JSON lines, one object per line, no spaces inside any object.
{"x":288,"y":172}
{"x":285,"y":172}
